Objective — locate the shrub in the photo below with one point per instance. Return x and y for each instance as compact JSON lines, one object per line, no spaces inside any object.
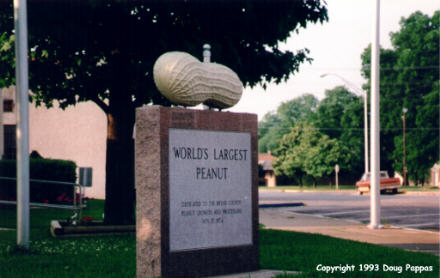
{"x":41,"y":169}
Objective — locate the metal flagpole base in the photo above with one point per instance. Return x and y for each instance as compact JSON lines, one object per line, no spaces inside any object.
{"x":375,"y":227}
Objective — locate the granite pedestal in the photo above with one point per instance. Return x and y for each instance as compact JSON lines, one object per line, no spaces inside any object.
{"x":196,"y":192}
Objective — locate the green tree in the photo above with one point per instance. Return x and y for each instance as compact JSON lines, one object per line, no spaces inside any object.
{"x":104,"y":51}
{"x":409,"y":79}
{"x":275,"y":125}
{"x":340,"y":116}
{"x":269,"y":132}
{"x":290,"y":157}
{"x":323,"y":154}
{"x":389,"y":116}
{"x":307,"y":151}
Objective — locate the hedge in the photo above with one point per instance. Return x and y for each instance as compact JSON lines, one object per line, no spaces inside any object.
{"x":42,"y":169}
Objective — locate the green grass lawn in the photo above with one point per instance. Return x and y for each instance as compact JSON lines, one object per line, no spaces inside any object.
{"x":40,"y":217}
{"x":115,"y":256}
{"x":304,"y":252}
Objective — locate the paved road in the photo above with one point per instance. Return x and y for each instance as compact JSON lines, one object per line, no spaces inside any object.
{"x":401,"y":210}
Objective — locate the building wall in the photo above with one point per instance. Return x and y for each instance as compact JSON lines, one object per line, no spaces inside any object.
{"x":270,"y":178}
{"x":8,"y":121}
{"x":9,"y":118}
{"x":77,"y":133}
{"x":435,"y":176}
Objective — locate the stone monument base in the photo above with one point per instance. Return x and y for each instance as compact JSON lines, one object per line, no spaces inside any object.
{"x":196,"y":192}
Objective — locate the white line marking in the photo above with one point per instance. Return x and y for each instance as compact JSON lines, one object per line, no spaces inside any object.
{"x":419,"y":225}
{"x":403,"y":216}
{"x":411,"y":215}
{"x":344,"y":212}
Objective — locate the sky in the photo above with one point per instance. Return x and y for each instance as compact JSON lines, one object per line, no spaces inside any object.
{"x":336,"y":47}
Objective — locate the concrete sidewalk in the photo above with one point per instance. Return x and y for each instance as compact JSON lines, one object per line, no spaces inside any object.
{"x":263,"y":273}
{"x":410,"y":239}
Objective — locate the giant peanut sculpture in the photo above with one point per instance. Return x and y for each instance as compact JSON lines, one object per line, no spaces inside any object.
{"x":184,"y":80}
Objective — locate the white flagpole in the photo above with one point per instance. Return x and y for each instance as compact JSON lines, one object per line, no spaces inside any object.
{"x":22,"y":85}
{"x":375,"y":124}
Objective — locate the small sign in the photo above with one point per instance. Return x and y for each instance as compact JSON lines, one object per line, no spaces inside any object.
{"x":337,"y":168}
{"x":85,"y":176}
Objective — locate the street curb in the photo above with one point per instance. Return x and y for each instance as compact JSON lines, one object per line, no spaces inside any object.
{"x":281,"y":205}
{"x":421,"y":193}
{"x":348,"y":191}
{"x":262,"y":273}
{"x":308,"y":190}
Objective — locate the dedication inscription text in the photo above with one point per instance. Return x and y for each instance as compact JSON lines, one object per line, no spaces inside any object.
{"x":210,"y":189}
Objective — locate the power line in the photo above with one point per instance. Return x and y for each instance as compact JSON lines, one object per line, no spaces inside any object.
{"x":382,"y":68}
{"x":346,"y":128}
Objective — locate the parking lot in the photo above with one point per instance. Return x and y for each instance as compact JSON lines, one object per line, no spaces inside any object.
{"x":414,"y":210}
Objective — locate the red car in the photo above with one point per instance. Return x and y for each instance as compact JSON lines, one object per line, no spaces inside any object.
{"x":386,"y":183}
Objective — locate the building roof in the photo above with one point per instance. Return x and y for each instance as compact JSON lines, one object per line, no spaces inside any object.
{"x":265,"y":159}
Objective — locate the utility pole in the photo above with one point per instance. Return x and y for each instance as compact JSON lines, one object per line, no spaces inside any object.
{"x":404,"y":110}
{"x":366,"y":160}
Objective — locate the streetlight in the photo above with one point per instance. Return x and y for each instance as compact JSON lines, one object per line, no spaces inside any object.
{"x":404,"y":110}
{"x":359,"y":91}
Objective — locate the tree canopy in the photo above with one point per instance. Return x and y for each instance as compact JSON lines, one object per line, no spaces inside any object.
{"x":307,"y":151}
{"x":340,"y":115}
{"x":309,"y":136}
{"x":410,"y":79}
{"x":103,"y":51}
{"x":276,"y":124}
{"x":87,"y":49}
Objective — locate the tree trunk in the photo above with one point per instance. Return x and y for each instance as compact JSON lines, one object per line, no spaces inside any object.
{"x":301,"y":181}
{"x":119,"y":187}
